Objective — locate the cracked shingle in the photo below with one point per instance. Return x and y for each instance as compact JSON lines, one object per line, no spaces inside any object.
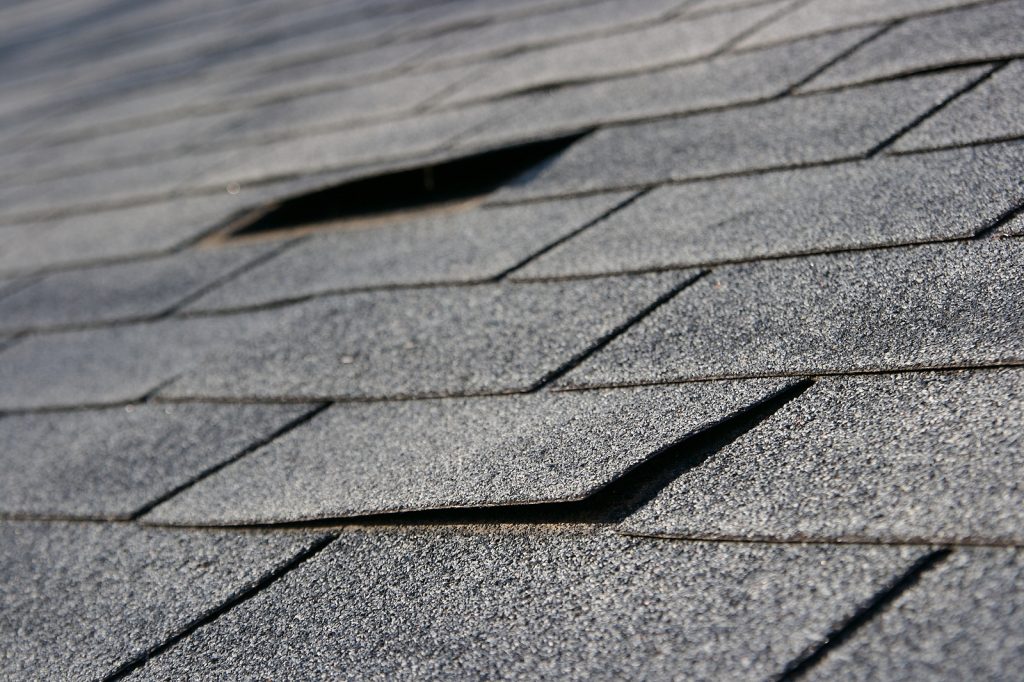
{"x":114,"y":462}
{"x":78,"y":601}
{"x":888,"y":458}
{"x":501,"y":603}
{"x":789,"y":132}
{"x":880,"y":202}
{"x":919,"y":307}
{"x":428,"y":342}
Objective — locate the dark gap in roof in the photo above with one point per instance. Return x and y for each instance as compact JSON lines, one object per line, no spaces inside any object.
{"x":878,"y":603}
{"x":609,"y":504}
{"x":448,"y":186}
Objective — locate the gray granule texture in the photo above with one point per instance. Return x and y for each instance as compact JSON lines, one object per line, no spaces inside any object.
{"x":880,"y":458}
{"x":987,"y":32}
{"x":427,"y":342}
{"x":510,"y":604}
{"x":116,"y":364}
{"x":85,"y":238}
{"x":962,"y":621}
{"x":823,"y":16}
{"x":1014,"y":228}
{"x":729,"y":79}
{"x":881,"y":202}
{"x":125,"y":291}
{"x":462,"y":247}
{"x":791,"y":131}
{"x":112,"y":462}
{"x":990,"y":111}
{"x":927,"y":306}
{"x":386,"y":457}
{"x":79,"y":600}
{"x":664,"y":43}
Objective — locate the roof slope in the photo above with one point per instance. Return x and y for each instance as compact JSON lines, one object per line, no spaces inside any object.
{"x":570,"y":339}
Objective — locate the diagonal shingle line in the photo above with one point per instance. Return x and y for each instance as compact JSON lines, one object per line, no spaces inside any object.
{"x":238,"y":597}
{"x":871,"y":37}
{"x":802,"y":664}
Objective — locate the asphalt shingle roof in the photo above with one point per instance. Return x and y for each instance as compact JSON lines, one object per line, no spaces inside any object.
{"x":670,"y":339}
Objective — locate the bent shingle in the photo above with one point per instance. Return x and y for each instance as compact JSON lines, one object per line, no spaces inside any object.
{"x":428,"y":342}
{"x":788,"y":132}
{"x":928,"y":306}
{"x":880,"y":202}
{"x":961,"y":621}
{"x":78,"y":601}
{"x":501,"y":604}
{"x":881,"y":458}
{"x":114,"y":462}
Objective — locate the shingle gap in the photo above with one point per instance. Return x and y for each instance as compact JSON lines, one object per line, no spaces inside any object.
{"x":453,"y":185}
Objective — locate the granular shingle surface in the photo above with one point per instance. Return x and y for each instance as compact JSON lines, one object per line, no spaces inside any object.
{"x":661,"y":339}
{"x":789,"y":132}
{"x":961,"y":621}
{"x":457,"y":453}
{"x":428,"y":342}
{"x":389,"y":603}
{"x":882,"y":458}
{"x":476,"y":245}
{"x":79,"y":601}
{"x":821,"y":314}
{"x":116,"y":461}
{"x":918,"y":198}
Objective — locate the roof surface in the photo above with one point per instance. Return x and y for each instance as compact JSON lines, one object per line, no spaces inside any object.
{"x":568,"y":339}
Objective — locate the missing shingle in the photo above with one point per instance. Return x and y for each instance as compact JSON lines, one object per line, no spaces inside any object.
{"x":448,"y":186}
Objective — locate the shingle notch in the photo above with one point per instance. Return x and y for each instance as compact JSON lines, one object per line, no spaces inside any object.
{"x":599,"y":449}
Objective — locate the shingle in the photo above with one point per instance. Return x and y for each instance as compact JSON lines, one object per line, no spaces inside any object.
{"x":886,"y":201}
{"x":926,"y":306}
{"x":983,"y":33}
{"x":668,"y":42}
{"x":988,"y":112}
{"x":726,"y":80}
{"x":126,"y":291}
{"x":789,"y":132}
{"x":358,"y":459}
{"x":960,"y":621}
{"x":489,"y":604}
{"x":887,"y":458}
{"x":463,"y":247}
{"x":822,"y":16}
{"x":428,"y":342}
{"x":78,"y":601}
{"x":114,"y":462}
{"x":116,"y":364}
{"x":1014,"y":228}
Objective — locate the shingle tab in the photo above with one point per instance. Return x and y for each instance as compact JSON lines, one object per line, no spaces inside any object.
{"x":729,"y":79}
{"x":388,"y":457}
{"x":926,"y":306}
{"x":887,"y":458}
{"x":666,"y":43}
{"x":822,"y":16}
{"x":898,"y":200}
{"x":78,"y":601}
{"x":961,"y":621}
{"x":446,"y":248}
{"x":984,"y":33}
{"x":990,"y":111}
{"x":428,"y":342}
{"x":507,"y":604}
{"x":113,"y":462}
{"x":116,"y":364}
{"x":126,"y":291}
{"x":789,"y":132}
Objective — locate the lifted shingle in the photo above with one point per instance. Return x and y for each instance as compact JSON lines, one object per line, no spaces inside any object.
{"x":881,"y":458}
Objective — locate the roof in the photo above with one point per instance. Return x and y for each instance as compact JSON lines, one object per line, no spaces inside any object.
{"x":537,"y":339}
